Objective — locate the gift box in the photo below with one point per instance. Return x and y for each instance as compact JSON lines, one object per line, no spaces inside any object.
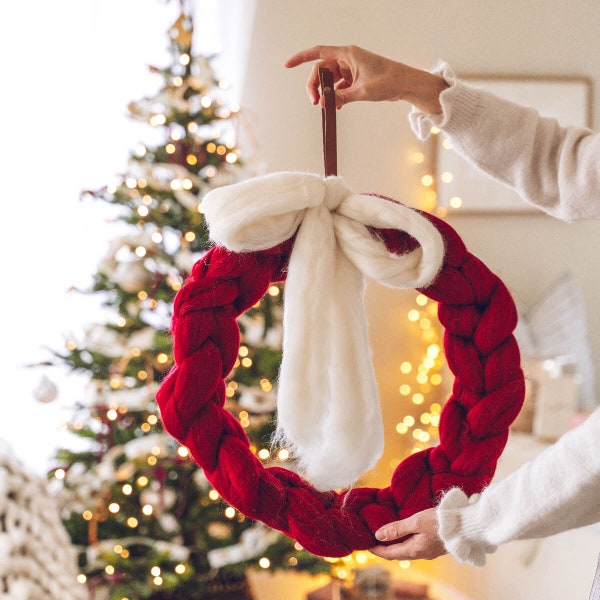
{"x":374,"y":583}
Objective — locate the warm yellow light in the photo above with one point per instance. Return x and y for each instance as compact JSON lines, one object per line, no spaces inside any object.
{"x":109,"y":569}
{"x":180,"y":569}
{"x":132,"y":522}
{"x":418,"y":398}
{"x":409,"y":420}
{"x":211,"y":147}
{"x":152,"y":419}
{"x":213,"y":495}
{"x":421,"y":299}
{"x":155,"y":571}
{"x":81,"y":578}
{"x":433,"y":350}
{"x":404,"y":389}
{"x":263,"y":454}
{"x":112,"y":414}
{"x":183,"y":451}
{"x":127,"y":489}
{"x":273,"y":290}
{"x":142,"y":481}
{"x":264,"y":563}
{"x":404,"y":564}
{"x":189,"y":236}
{"x":114,"y":508}
{"x":447,"y":177}
{"x":143,"y":211}
{"x":157,"y":581}
{"x":162,"y":358}
{"x":118,"y":548}
{"x":246,"y":362}
{"x":413,"y":315}
{"x":425,"y":324}
{"x":87,"y":515}
{"x":401,"y":428}
{"x":152,"y":460}
{"x":231,"y":157}
{"x":405,"y":367}
{"x":435,"y":379}
{"x":283,"y":454}
{"x":192,"y":160}
{"x":156,"y":120}
{"x":427,"y":180}
{"x":147,"y":509}
{"x":447,"y":144}
{"x":230,"y":512}
{"x":170,"y":148}
{"x":265,"y":385}
{"x":455,"y":202}
{"x":429,"y":362}
{"x":243,"y":351}
{"x":60,"y":473}
{"x":418,"y":158}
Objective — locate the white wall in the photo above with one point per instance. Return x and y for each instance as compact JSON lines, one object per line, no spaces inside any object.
{"x":531,"y":37}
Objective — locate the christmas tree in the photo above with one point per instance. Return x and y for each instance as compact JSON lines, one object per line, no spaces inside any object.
{"x":145,"y":521}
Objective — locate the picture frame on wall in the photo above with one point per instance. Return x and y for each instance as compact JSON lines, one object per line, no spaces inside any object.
{"x":461,"y":187}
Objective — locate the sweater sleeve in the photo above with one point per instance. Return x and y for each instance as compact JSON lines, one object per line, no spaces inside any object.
{"x":552,"y":167}
{"x":555,"y":492}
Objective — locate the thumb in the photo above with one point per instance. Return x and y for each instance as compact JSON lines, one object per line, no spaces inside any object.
{"x":345,"y":95}
{"x":395,"y":530}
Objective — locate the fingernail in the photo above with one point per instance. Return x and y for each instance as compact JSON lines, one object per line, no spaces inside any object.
{"x":381,"y":535}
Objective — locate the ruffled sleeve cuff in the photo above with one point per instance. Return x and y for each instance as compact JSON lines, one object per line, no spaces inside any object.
{"x":459,"y":104}
{"x":460,"y":529}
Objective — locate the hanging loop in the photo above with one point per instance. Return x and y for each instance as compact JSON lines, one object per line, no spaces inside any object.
{"x":328,"y":116}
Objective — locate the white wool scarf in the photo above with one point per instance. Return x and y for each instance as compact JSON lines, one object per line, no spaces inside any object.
{"x":328,"y":408}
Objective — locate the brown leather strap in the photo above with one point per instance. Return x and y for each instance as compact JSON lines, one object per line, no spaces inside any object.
{"x":328,"y":121}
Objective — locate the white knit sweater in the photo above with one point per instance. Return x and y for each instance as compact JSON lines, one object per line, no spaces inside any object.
{"x":557,"y":169}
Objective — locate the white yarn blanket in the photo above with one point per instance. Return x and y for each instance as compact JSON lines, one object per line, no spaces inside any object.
{"x":328,"y":408}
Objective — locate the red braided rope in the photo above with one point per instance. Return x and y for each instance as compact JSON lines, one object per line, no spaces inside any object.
{"x":479,"y":316}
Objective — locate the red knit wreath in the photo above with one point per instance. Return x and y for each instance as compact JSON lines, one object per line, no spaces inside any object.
{"x":479,"y":317}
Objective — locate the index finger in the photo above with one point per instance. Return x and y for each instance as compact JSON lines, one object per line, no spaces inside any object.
{"x":314,"y":53}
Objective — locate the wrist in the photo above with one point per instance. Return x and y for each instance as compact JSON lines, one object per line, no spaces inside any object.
{"x":423,"y":91}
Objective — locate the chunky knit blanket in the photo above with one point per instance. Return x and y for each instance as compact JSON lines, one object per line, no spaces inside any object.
{"x":37,"y":559}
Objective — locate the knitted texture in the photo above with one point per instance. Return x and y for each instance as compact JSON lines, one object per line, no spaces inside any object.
{"x":478,"y":315}
{"x":37,"y":559}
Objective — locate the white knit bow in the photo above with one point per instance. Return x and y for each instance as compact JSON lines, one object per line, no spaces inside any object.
{"x":328,"y":406}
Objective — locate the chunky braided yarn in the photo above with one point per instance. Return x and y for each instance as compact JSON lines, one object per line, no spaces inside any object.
{"x":478,"y":315}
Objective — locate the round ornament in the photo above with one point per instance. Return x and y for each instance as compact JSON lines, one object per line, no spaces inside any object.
{"x":478,"y":315}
